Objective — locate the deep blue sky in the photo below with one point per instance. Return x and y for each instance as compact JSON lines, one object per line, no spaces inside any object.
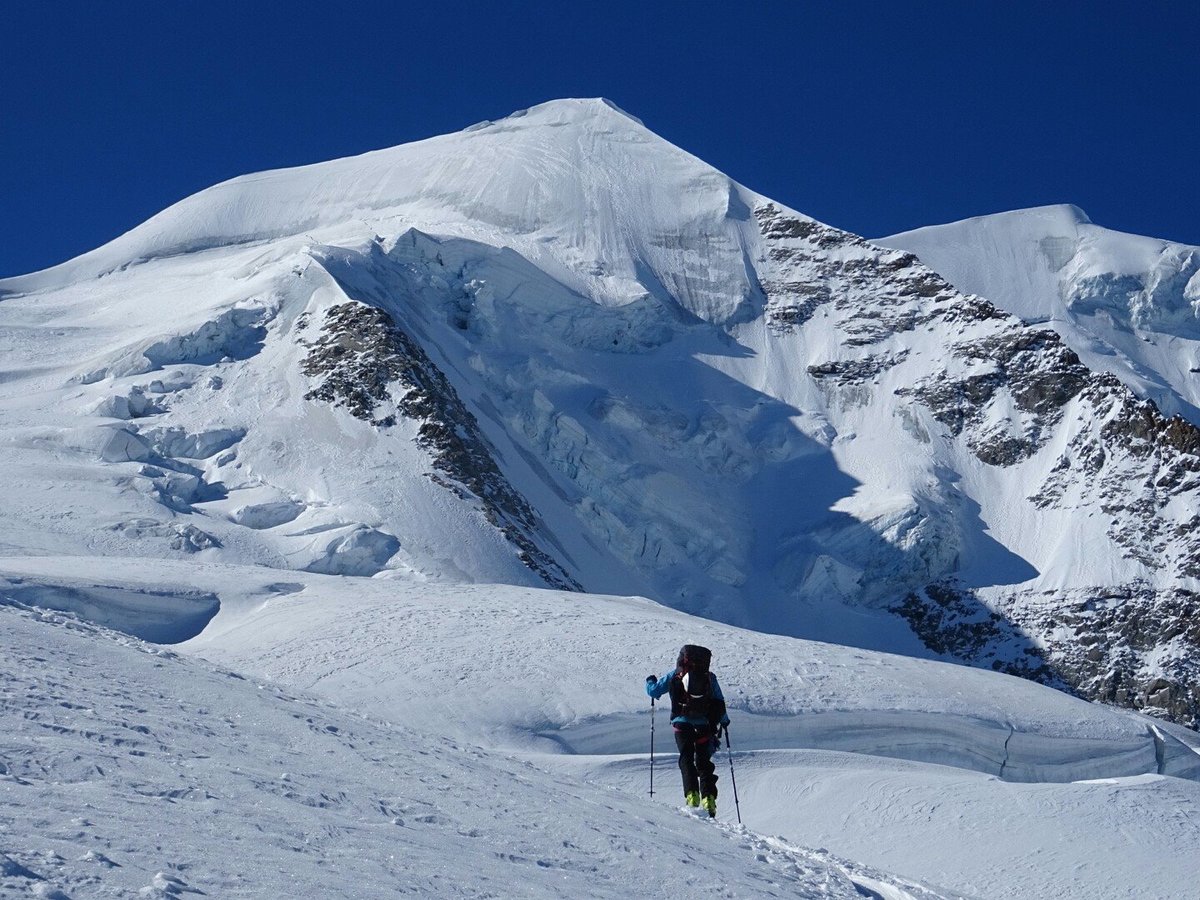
{"x":870,"y":116}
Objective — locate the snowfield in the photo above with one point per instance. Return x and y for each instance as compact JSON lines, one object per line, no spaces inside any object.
{"x":130,"y":771}
{"x":328,"y":736}
{"x":346,"y":508}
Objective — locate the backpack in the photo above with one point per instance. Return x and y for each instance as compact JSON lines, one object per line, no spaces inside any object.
{"x":691,"y":688}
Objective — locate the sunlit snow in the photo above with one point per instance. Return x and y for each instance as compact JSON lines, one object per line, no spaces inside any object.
{"x":357,"y":682}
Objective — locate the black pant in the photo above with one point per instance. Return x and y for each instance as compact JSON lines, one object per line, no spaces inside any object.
{"x":696,"y":748}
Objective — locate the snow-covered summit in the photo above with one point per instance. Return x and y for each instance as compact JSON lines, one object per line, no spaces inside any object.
{"x":578,"y":186}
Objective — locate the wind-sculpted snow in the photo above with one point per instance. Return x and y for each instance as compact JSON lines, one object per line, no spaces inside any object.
{"x":420,"y":644}
{"x":252,"y":784}
{"x":164,"y":616}
{"x":406,"y":649}
{"x":236,"y":334}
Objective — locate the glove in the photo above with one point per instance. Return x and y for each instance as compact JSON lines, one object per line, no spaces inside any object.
{"x":717,"y":732}
{"x":651,"y":679}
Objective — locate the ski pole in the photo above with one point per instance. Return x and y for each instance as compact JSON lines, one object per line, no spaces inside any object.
{"x":651,"y":746}
{"x":732,"y":777}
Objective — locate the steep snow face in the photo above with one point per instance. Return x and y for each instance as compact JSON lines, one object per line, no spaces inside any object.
{"x":582,"y":189}
{"x":1126,"y":304}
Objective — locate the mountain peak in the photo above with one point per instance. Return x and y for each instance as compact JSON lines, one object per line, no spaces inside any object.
{"x":575,"y":109}
{"x":1050,"y":214}
{"x":589,"y":113}
{"x":579,"y":186}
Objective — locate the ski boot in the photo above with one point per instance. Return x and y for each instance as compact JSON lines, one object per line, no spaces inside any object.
{"x":710,"y":806}
{"x":692,"y":798}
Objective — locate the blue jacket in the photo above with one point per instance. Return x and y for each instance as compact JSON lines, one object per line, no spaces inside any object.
{"x":657,"y":688}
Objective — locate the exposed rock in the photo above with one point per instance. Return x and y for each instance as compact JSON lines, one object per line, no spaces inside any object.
{"x":358,"y":357}
{"x":1140,"y":468}
{"x":809,"y":275}
{"x":954,"y":622}
{"x":1130,"y":646}
{"x":1032,"y":366}
{"x":857,"y":370}
{"x":363,"y":361}
{"x":1006,"y":391}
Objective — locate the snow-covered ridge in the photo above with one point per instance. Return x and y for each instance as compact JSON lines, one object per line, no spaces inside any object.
{"x":1127,"y":304}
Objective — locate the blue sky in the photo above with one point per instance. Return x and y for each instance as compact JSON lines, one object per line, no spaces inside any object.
{"x":870,"y":116}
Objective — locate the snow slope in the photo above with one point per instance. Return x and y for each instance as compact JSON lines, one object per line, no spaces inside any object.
{"x":503,"y":770}
{"x":1126,"y":304}
{"x":130,"y":771}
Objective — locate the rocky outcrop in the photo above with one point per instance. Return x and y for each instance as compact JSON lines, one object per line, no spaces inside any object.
{"x":364,"y":362}
{"x":1131,"y":646}
{"x":1010,"y":393}
{"x":956,"y":623}
{"x":874,"y":293}
{"x":1141,"y":469}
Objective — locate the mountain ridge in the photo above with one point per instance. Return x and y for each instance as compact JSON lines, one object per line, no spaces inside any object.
{"x":561,"y":350}
{"x":1128,"y":304}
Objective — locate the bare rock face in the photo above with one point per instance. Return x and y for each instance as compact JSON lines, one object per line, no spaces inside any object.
{"x":358,"y":358}
{"x":363,"y":362}
{"x":1142,"y":469}
{"x":1010,"y":393}
{"x":1133,"y":647}
{"x":1035,"y":368}
{"x":955,"y":623}
{"x":1129,"y":646}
